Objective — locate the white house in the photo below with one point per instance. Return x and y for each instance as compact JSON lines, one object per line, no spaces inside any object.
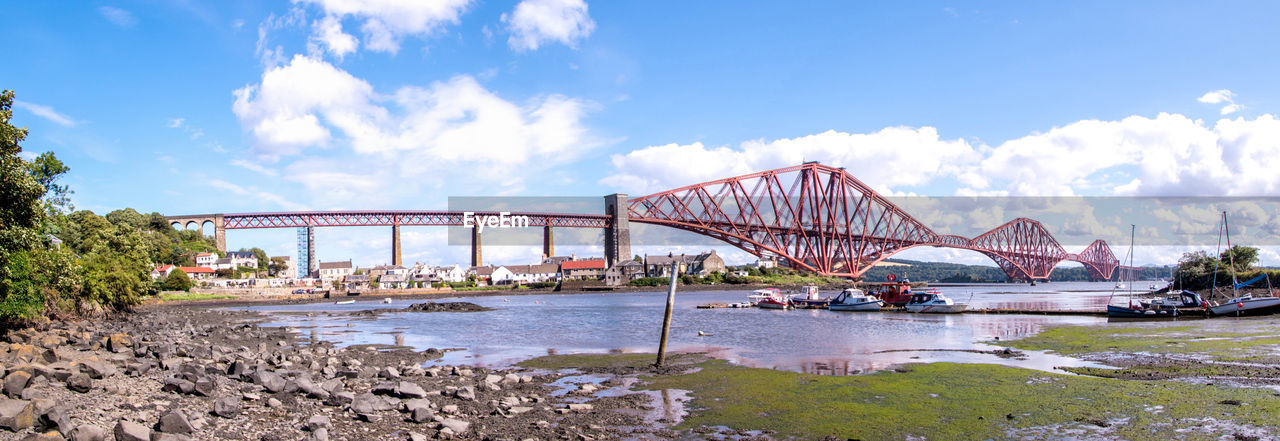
{"x":206,"y":259}
{"x":243,"y":258}
{"x":535,"y":273}
{"x":501,"y":276}
{"x":330,"y":271}
{"x":453,"y":273}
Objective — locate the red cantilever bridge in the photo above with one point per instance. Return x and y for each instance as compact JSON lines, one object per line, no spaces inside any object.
{"x":811,"y":216}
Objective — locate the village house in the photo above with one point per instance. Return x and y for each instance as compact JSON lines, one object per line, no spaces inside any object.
{"x":698,"y":265}
{"x":582,"y":269}
{"x":624,"y":272}
{"x":452,"y":273}
{"x":287,"y":271}
{"x":382,"y":270}
{"x":392,"y":281}
{"x":242,"y":258}
{"x":193,"y":272}
{"x":206,"y":260}
{"x":330,"y":271}
{"x":534,"y":273}
{"x":355,"y":281}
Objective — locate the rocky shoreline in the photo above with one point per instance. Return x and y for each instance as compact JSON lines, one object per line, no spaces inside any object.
{"x":176,"y":372}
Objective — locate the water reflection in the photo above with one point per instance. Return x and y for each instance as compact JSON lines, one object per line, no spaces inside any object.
{"x":815,"y":341}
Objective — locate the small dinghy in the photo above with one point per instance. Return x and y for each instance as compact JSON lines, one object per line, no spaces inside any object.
{"x":345,"y":302}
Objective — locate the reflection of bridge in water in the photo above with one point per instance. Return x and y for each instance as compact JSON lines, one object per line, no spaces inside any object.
{"x":812,"y":217}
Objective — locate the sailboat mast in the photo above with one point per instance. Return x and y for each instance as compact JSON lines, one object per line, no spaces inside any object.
{"x":1231,"y":255}
{"x":1132,"y":229}
{"x":1217,"y":257}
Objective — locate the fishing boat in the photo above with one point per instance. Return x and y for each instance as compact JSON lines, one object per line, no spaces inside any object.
{"x":808,"y":298}
{"x":853,"y":299}
{"x":934,"y":302}
{"x":894,"y":293}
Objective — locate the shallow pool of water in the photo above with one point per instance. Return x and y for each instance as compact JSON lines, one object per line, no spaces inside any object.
{"x":817,"y":341}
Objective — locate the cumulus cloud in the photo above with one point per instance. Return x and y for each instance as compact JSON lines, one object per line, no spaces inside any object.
{"x":119,"y":17}
{"x":385,"y":22}
{"x":892,"y":157}
{"x":45,"y":112}
{"x":534,"y":22}
{"x":328,"y":31}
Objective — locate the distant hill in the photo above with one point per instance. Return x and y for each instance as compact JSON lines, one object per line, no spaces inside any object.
{"x":941,"y":272}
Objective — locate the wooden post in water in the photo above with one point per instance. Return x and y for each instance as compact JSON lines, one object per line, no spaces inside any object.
{"x":666,"y":319}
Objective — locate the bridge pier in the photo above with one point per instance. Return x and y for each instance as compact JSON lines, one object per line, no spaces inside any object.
{"x":548,"y":242}
{"x":617,"y":238}
{"x":219,"y":233}
{"x":395,"y":245}
{"x":306,"y":252}
{"x":476,"y":258}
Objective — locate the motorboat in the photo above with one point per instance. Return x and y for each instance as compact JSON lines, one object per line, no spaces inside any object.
{"x":1155,"y":309}
{"x":853,"y":299}
{"x":894,"y":293}
{"x":1247,"y":305}
{"x":762,"y":294}
{"x":808,"y":298}
{"x":934,"y":302}
{"x":1184,"y":299}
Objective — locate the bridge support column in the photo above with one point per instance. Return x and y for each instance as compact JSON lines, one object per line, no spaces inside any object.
{"x":476,"y":258}
{"x":395,"y":245}
{"x":548,"y":242}
{"x":617,"y":238}
{"x":219,"y":233}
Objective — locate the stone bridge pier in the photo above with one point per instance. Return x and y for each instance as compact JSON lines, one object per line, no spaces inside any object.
{"x":196,"y":222}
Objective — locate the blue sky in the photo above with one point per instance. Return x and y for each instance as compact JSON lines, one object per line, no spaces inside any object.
{"x":185,"y":107}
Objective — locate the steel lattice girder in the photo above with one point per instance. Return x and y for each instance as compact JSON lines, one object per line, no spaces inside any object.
{"x":821,"y":219}
{"x":403,"y":218}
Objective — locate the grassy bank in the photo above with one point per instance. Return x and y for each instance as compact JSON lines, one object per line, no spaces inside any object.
{"x":948,"y":401}
{"x":187,"y":296}
{"x":1225,"y":339}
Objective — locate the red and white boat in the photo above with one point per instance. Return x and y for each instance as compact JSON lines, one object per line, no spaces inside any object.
{"x":770,"y":298}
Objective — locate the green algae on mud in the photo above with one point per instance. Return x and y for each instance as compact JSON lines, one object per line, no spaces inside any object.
{"x":1221,"y":339}
{"x":945,"y":401}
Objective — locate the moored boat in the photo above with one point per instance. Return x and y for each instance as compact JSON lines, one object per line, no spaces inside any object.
{"x":809,"y":299}
{"x":934,"y":302}
{"x":762,"y":294}
{"x":894,"y":293}
{"x":1247,"y":305}
{"x":853,"y":299}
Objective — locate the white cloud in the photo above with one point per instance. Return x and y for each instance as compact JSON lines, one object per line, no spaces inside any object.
{"x":328,"y":31}
{"x":45,"y":112}
{"x":1217,"y":96}
{"x":1169,"y":155}
{"x":386,"y":22}
{"x":253,"y":166}
{"x":310,"y":103}
{"x":1221,"y":96}
{"x":118,"y":16}
{"x":892,"y":157}
{"x":176,"y":122}
{"x":534,"y":22}
{"x":255,"y":193}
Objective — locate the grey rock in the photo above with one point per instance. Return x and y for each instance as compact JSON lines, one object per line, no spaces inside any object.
{"x":85,"y":432}
{"x":457,"y":426}
{"x":56,"y":418}
{"x":466,"y":393}
{"x":421,"y":414}
{"x":406,"y":389}
{"x":158,"y":436}
{"x":97,"y":368}
{"x":273,"y":402}
{"x":80,"y":383}
{"x":16,"y":415}
{"x":321,"y":434}
{"x":174,"y":384}
{"x":270,"y":380}
{"x":175,"y":422}
{"x":369,"y":403}
{"x":227,"y":407}
{"x":318,"y":422}
{"x":130,"y":431}
{"x":205,"y":387}
{"x":384,"y":388}
{"x":16,"y":382}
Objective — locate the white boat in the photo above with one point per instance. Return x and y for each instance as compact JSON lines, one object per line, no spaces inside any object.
{"x":762,"y":294}
{"x":1247,"y":305}
{"x":345,"y":302}
{"x":853,"y":299}
{"x":934,"y":302}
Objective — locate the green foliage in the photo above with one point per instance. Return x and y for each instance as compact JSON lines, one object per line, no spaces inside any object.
{"x":649,"y":281}
{"x":276,"y":266}
{"x":1239,"y":258}
{"x":177,"y":281}
{"x":170,"y":297}
{"x":263,"y":260}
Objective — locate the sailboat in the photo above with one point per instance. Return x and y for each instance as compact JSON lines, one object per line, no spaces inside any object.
{"x":1240,"y":305}
{"x":1155,"y":309}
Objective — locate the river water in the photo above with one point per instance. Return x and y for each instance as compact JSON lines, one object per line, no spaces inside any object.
{"x":816,"y":341}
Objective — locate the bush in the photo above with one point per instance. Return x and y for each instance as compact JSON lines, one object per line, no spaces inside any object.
{"x":177,"y":281}
{"x":649,"y":281}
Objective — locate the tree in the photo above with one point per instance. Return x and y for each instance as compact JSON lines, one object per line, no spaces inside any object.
{"x":1240,"y":258}
{"x":21,"y":217}
{"x":276,"y":266}
{"x":177,"y":281}
{"x":47,"y":169}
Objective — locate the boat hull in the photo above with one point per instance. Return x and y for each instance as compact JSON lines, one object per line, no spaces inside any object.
{"x":1257,"y":306}
{"x":1127,"y":312}
{"x":936,"y":309}
{"x":772,"y":305}
{"x":863,"y":306}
